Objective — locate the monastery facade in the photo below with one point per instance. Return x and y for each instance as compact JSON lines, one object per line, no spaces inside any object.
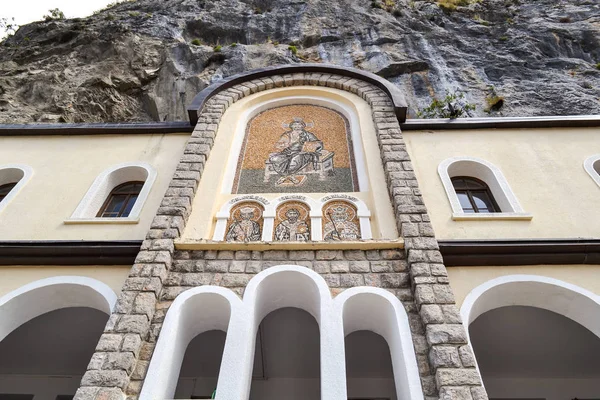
{"x":298,"y":238}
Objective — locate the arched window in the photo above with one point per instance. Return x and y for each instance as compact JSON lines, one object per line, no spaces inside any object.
{"x":592,"y":166}
{"x":5,"y":189}
{"x":121,"y":200}
{"x":474,"y":195}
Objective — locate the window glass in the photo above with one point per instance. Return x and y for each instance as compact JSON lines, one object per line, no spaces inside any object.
{"x":5,"y":189}
{"x":121,"y":200}
{"x":474,"y":195}
{"x":465,"y":202}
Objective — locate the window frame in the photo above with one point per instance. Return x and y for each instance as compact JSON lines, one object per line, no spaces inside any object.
{"x":128,"y":195}
{"x":4,"y":185}
{"x":589,"y":166}
{"x":469,"y":192}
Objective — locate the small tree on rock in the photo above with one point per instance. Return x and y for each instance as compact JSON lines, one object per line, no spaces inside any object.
{"x":55,"y":13}
{"x":452,"y":106}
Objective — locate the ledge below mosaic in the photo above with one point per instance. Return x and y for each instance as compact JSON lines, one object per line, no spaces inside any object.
{"x":263,"y":246}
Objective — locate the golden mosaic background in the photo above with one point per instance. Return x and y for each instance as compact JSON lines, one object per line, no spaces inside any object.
{"x":352,"y":217}
{"x":265,"y":129}
{"x":301,"y":207}
{"x":234,"y":214}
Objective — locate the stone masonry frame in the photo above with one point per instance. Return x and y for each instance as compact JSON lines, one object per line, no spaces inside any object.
{"x":417,"y":276}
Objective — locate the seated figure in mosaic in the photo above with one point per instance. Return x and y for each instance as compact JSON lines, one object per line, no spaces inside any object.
{"x":298,"y":148}
{"x":244,"y":229}
{"x":292,"y":229}
{"x":339,"y":225}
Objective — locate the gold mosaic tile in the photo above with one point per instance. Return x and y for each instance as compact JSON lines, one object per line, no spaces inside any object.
{"x":296,"y":148}
{"x":292,"y":222}
{"x":245,"y":223}
{"x":340,"y":221}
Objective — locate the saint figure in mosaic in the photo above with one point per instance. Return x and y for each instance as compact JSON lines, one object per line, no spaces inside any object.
{"x":297,"y":150}
{"x":341,"y":222}
{"x":244,"y":229}
{"x":292,"y":229}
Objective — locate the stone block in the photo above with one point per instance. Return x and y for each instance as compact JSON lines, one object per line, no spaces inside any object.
{"x":109,"y":342}
{"x":394,"y":280}
{"x":466,"y":356}
{"x":86,"y":393}
{"x":360,"y":266}
{"x":132,"y":343}
{"x":216,"y":266}
{"x":97,"y":361}
{"x":105,"y":379}
{"x":253,"y":267}
{"x":321,"y":267}
{"x":424,"y":294}
{"x":237,"y":266}
{"x":432,"y":314}
{"x":328,"y":255}
{"x":478,"y":393}
{"x":340,"y":266}
{"x":455,"y":393}
{"x":392,"y":254}
{"x":235,"y":280}
{"x":420,"y":269}
{"x":444,"y":357}
{"x":354,"y":255}
{"x":119,"y":361}
{"x":451,"y":314}
{"x":242,"y":255}
{"x":305,"y":255}
{"x":275,"y":255}
{"x":145,"y":303}
{"x":139,"y":372}
{"x":351,"y":280}
{"x":133,"y":324}
{"x":443,"y":294}
{"x":446,"y":334}
{"x":381,"y":266}
{"x":196,"y":279}
{"x":457,"y":377}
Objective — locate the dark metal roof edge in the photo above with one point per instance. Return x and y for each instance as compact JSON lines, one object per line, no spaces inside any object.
{"x":400,"y":105}
{"x":520,"y":252}
{"x":95,"y":129}
{"x":121,"y":252}
{"x":574,"y":121}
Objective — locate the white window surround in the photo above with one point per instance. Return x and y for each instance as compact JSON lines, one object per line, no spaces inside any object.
{"x":589,"y":164}
{"x":245,"y":117}
{"x":316,"y":214}
{"x":10,"y":173}
{"x":207,"y":307}
{"x":571,"y":301}
{"x":493,"y":177}
{"x":45,"y":295}
{"x":103,"y":185}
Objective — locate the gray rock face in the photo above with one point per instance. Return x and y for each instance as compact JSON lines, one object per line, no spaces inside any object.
{"x":137,"y":62}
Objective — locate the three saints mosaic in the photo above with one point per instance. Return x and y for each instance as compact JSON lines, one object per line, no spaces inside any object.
{"x":296,"y":148}
{"x":292,"y":222}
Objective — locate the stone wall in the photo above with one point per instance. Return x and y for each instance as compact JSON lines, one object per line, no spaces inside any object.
{"x":416,"y":276}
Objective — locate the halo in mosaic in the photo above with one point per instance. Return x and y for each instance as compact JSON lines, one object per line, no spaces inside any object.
{"x":296,"y":148}
{"x":245,"y":222}
{"x":340,"y":221}
{"x":292,"y":222}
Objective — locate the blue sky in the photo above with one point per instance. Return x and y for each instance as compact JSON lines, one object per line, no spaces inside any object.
{"x":25,"y":11}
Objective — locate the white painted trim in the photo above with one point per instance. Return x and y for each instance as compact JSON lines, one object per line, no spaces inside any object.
{"x":588,"y":165}
{"x":108,"y":180}
{"x":377,"y":310}
{"x":485,"y":171}
{"x":45,"y":295}
{"x":324,"y":101}
{"x":9,"y":173}
{"x":492,"y":216}
{"x":571,"y":301}
{"x":194,"y":312}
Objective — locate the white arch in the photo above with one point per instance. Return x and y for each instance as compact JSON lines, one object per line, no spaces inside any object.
{"x":224,"y":213}
{"x":194,"y":312}
{"x":45,"y":295}
{"x":377,"y":310}
{"x":571,"y":301}
{"x":589,"y":164}
{"x":10,"y":173}
{"x":267,"y":101}
{"x":362,"y":212}
{"x":110,"y":179}
{"x":487,"y":172}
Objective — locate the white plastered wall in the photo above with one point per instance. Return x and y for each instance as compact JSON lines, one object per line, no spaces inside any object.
{"x":279,"y":287}
{"x":64,"y":169}
{"x":216,"y":181}
{"x":542,"y":166}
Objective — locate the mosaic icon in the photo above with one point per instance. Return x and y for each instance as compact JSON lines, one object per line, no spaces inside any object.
{"x":340,"y":221}
{"x":292,"y":222}
{"x":296,"y":148}
{"x":245,"y":223}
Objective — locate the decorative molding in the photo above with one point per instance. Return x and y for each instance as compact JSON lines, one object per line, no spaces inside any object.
{"x":568,"y":121}
{"x":207,"y":308}
{"x":10,"y":173}
{"x":589,"y":165}
{"x":69,"y":252}
{"x":157,"y":128}
{"x":395,"y":95}
{"x":103,"y":185}
{"x":39,"y":297}
{"x":492,"y":176}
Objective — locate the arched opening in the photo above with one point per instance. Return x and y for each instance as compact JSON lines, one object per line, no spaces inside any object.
{"x":287,"y":357}
{"x":535,"y":337}
{"x":200,"y":367}
{"x":529,"y":352}
{"x":369,"y":373}
{"x":48,"y":332}
{"x":47,"y":356}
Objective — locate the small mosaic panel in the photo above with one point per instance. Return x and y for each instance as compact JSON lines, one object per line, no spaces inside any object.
{"x":340,"y":221}
{"x":245,"y":222}
{"x":292,"y":222}
{"x":296,"y":148}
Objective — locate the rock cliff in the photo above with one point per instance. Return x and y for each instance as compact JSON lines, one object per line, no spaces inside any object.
{"x":145,"y":60}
